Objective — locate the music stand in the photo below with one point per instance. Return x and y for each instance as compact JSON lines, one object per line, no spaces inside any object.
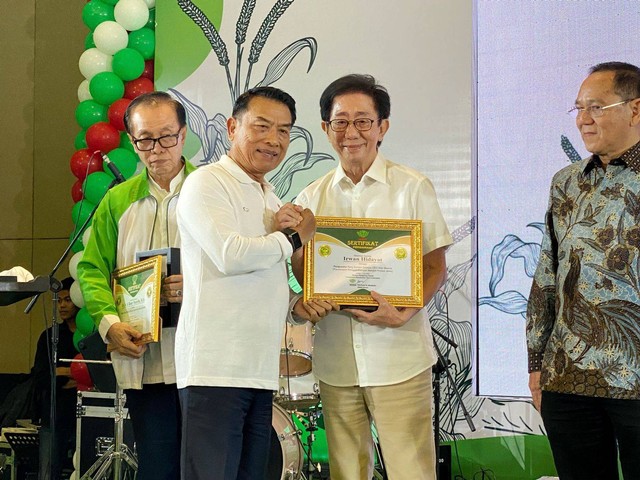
{"x":442,"y":366}
{"x":25,"y":446}
{"x":12,"y":291}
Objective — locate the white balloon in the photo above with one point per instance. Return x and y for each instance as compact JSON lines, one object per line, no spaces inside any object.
{"x":86,"y":235}
{"x":110,"y":37}
{"x":83,"y":91}
{"x":93,"y":61}
{"x":131,"y":14}
{"x":150,"y":3}
{"x":73,"y":264}
{"x":76,"y":294}
{"x":76,"y":462}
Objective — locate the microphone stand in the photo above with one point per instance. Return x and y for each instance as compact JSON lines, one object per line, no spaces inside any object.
{"x":442,"y":365}
{"x":55,"y":287}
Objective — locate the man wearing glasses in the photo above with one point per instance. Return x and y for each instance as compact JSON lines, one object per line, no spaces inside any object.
{"x":375,"y":366}
{"x":140,"y":215}
{"x":583,"y":317}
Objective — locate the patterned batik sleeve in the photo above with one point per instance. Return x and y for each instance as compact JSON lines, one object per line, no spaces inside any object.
{"x":541,"y":311}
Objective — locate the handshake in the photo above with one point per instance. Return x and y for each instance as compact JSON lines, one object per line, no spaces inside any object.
{"x":300,"y":220}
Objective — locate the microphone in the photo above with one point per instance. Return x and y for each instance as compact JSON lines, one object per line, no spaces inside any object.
{"x":114,"y":169}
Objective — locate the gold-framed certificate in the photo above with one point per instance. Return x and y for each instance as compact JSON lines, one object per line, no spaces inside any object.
{"x":349,"y":257}
{"x":136,"y":291}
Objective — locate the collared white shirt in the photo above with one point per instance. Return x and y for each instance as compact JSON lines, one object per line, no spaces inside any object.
{"x":159,"y":364}
{"x":236,"y":293}
{"x":347,"y":352}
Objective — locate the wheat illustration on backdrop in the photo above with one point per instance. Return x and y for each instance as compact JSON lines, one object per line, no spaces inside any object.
{"x":212,"y":132}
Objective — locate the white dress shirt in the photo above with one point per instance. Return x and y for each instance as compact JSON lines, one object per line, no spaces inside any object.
{"x":235,"y":295}
{"x":347,"y":352}
{"x":159,"y":365}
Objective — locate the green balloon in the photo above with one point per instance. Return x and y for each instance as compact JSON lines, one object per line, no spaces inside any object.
{"x":88,"y":41}
{"x":80,"y":211}
{"x":84,"y":322}
{"x":95,"y":186}
{"x":110,"y":2}
{"x":151,"y":23}
{"x":89,"y":112}
{"x":106,"y":88}
{"x":125,"y":160}
{"x":95,"y":12}
{"x":125,"y":142}
{"x":81,"y":141}
{"x":77,"y":245}
{"x":128,"y":64}
{"x":77,"y":336}
{"x":144,"y":41}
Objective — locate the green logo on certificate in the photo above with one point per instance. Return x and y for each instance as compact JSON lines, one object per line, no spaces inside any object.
{"x":400,"y":253}
{"x":324,"y":250}
{"x":362,"y":234}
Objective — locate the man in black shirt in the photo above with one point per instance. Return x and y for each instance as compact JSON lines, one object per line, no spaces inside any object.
{"x":65,"y":386}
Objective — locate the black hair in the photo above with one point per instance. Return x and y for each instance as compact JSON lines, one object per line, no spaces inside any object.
{"x":355,"y":83}
{"x":242,"y":103}
{"x":626,"y":80}
{"x":155,"y":98}
{"x":66,"y":283}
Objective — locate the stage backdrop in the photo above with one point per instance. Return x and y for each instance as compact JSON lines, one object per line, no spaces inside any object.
{"x":208,"y":52}
{"x":531,"y":62}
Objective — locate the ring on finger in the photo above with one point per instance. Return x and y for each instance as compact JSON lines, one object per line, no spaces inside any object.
{"x":178,"y":293}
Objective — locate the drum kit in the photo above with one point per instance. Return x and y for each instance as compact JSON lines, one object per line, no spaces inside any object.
{"x":296,"y":406}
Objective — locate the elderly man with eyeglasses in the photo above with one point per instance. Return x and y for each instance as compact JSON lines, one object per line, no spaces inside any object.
{"x":583,"y":317}
{"x":135,"y":216}
{"x":375,"y":366}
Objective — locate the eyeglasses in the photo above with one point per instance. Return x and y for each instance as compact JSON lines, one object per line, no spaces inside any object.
{"x":361,"y":124}
{"x":148,"y":144}
{"x":594,"y":111}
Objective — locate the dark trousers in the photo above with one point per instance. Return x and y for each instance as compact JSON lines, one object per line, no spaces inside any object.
{"x":587,"y":433}
{"x":155,"y":418}
{"x":226,"y":433}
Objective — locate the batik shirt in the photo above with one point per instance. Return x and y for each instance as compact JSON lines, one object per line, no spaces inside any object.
{"x":583,"y":316}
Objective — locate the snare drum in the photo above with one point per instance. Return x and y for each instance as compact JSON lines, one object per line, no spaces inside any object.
{"x":295,"y":353}
{"x":298,"y":394}
{"x":285,"y":457}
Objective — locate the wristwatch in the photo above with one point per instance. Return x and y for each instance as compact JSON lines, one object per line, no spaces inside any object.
{"x":293,"y":237}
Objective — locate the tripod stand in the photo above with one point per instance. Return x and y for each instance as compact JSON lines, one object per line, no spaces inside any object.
{"x":118,"y":462}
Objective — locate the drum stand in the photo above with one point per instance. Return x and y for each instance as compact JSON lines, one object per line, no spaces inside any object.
{"x":118,"y":462}
{"x":311,"y":427}
{"x":111,"y":465}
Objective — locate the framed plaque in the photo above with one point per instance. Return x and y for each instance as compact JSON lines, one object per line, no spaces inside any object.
{"x":169,"y":311}
{"x":136,"y":291}
{"x":350,"y":257}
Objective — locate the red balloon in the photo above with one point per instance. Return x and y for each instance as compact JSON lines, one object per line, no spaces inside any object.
{"x":83,"y":388}
{"x":80,"y":372}
{"x":116,"y":113}
{"x":103,"y":137}
{"x":148,"y":69}
{"x":137,"y":87}
{"x":76,"y":191}
{"x":83,"y":162}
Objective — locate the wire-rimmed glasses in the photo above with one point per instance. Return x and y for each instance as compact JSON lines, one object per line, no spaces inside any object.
{"x":361,"y":124}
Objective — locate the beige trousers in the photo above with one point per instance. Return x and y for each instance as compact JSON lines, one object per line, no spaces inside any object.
{"x":402,"y":417}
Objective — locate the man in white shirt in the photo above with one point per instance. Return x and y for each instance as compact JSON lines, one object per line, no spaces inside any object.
{"x":236,"y":238}
{"x":375,"y":366}
{"x":136,"y":216}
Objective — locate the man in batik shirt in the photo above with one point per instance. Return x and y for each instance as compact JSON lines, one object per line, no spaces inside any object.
{"x":583,"y":318}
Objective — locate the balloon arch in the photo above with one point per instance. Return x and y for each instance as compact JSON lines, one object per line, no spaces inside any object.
{"x":117,"y":66}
